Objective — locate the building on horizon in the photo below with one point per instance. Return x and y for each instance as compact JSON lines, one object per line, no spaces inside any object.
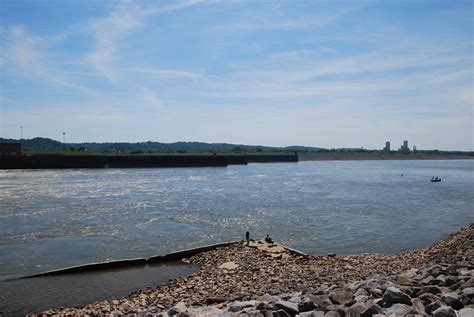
{"x":404,"y":148}
{"x":387,"y":146}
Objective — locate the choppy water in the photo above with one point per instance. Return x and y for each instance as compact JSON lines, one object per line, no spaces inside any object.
{"x":55,"y":218}
{"x":20,"y":297}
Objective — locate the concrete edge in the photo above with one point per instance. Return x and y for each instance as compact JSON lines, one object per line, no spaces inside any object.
{"x":294,"y":251}
{"x":92,"y":267}
{"x":178,"y":255}
{"x":173,"y":256}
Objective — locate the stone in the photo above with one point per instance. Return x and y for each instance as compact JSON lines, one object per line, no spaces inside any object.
{"x":430,"y":308}
{"x":216,"y":300}
{"x":320,"y":300}
{"x":444,"y":311}
{"x":228,"y":265}
{"x":332,"y":313}
{"x":341,"y":296}
{"x":289,"y":307}
{"x":361,"y":292}
{"x":204,"y":311}
{"x":452,"y":300}
{"x":275,"y":313}
{"x":411,"y":291}
{"x":427,"y":280}
{"x":338,"y":308}
{"x":313,"y":313}
{"x":361,"y":298}
{"x":249,"y":313}
{"x":451,"y":280}
{"x":179,"y":308}
{"x":281,"y":313}
{"x":432,"y":289}
{"x":356,"y":309}
{"x":440,"y":280}
{"x":466,"y":312}
{"x":399,"y":309}
{"x":393,"y":295}
{"x":371,"y":310}
{"x":468,"y":283}
{"x":306,"y":305}
{"x":404,"y":280}
{"x":418,"y":306}
{"x":238,"y":306}
{"x":428,"y":298}
{"x":377,"y":292}
{"x":468,"y":292}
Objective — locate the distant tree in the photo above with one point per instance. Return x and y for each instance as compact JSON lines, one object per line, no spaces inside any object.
{"x":237,"y":149}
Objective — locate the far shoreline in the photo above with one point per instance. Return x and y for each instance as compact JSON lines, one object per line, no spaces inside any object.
{"x":380,"y":157}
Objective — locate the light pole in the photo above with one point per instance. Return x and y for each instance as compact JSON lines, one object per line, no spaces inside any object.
{"x":21,"y":133}
{"x":64,"y":141}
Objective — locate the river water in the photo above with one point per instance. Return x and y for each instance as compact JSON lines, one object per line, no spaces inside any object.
{"x":51,"y":219}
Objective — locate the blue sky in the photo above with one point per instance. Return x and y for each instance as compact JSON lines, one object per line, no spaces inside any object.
{"x":316,"y":73}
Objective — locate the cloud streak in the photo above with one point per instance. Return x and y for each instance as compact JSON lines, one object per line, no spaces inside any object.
{"x":23,"y":54}
{"x":108,"y":32}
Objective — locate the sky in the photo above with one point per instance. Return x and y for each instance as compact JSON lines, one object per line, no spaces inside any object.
{"x":316,"y":73}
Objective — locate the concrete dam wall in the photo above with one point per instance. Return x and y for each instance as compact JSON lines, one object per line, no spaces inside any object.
{"x":137,"y":161}
{"x":112,"y":161}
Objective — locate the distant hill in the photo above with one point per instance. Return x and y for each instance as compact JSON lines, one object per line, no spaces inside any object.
{"x":36,"y":143}
{"x":153,"y":147}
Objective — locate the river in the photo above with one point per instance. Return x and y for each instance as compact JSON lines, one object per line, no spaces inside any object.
{"x":51,"y":219}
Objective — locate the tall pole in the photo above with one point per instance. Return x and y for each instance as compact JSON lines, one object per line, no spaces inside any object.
{"x":21,"y":133}
{"x":64,"y":141}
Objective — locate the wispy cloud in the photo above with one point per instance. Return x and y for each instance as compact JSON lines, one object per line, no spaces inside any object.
{"x":24,"y":55}
{"x":125,"y":18}
{"x":164,"y":73}
{"x":150,"y":98}
{"x":108,"y":31}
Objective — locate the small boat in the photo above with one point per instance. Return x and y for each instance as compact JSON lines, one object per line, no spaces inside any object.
{"x":435,"y":180}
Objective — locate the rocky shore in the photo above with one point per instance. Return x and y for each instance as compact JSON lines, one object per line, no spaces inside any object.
{"x":269,"y":280}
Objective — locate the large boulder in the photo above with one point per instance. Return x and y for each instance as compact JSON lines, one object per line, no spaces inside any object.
{"x":393,"y":295}
{"x":341,"y":296}
{"x":405,"y":280}
{"x":466,"y":312}
{"x":468,"y":283}
{"x":432,"y":289}
{"x":178,"y":309}
{"x":430,"y":308}
{"x":451,"y":280}
{"x":313,"y":313}
{"x":320,"y":300}
{"x":468,"y":292}
{"x":418,"y":306}
{"x":371,"y":310}
{"x":452,"y":300}
{"x":289,"y":307}
{"x":400,"y":310}
{"x":306,"y":305}
{"x":444,"y":311}
{"x":238,"y":306}
{"x":356,"y":309}
{"x":428,"y":298}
